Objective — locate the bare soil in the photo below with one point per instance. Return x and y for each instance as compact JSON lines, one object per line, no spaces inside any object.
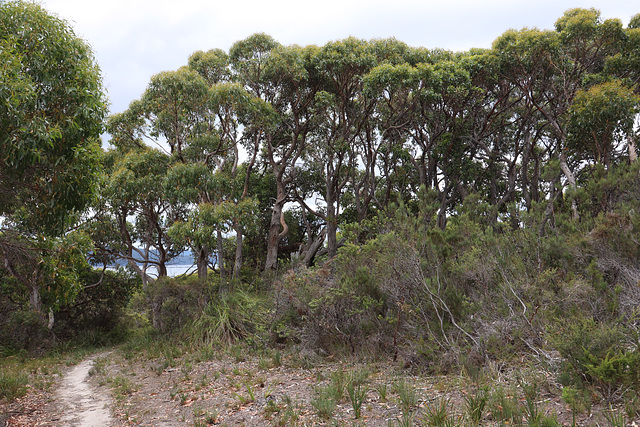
{"x":251,"y":390}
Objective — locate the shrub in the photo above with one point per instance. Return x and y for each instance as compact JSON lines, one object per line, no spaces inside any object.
{"x":601,"y":354}
{"x":229,"y":317}
{"x":175,"y":302}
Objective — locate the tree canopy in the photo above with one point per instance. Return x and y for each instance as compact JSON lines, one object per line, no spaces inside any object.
{"x":52,"y":108}
{"x":348,"y":129}
{"x":51,"y":116}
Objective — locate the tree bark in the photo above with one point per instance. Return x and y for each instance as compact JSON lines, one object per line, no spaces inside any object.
{"x":275,"y":235}
{"x":237,"y":266}
{"x":311,"y":252}
{"x":572,"y":183}
{"x":278,"y":227}
{"x":219,"y":256}
{"x":202,"y":263}
{"x":633,"y":154}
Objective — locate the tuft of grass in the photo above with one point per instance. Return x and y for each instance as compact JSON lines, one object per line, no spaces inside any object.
{"x":122,"y":387}
{"x":505,"y":408}
{"x":531,"y":404}
{"x":406,"y":394}
{"x":381,"y":388}
{"x":357,"y":395}
{"x":615,"y":418}
{"x":287,"y":412}
{"x":437,"y":413}
{"x":338,"y":384}
{"x":13,"y":384}
{"x":324,"y":402}
{"x":406,"y":420}
{"x":632,"y":405}
{"x":475,"y":403}
{"x":276,"y":359}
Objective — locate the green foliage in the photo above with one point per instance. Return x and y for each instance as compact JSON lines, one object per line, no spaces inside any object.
{"x":50,"y":118}
{"x":437,"y":413}
{"x":578,"y":400}
{"x":228,"y":317}
{"x":475,"y":402}
{"x":605,"y":112}
{"x":324,"y":401}
{"x":13,"y":384}
{"x":357,"y":395}
{"x":98,"y":315}
{"x":598,"y":353}
{"x":173,"y":303}
{"x":407,"y":395}
{"x":505,"y":406}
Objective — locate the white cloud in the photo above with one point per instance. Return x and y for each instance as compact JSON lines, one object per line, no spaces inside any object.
{"x":134,"y":39}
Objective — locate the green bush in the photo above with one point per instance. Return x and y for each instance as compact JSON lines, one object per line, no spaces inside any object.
{"x":602,"y":354}
{"x":98,"y":314}
{"x":229,"y":317}
{"x":175,"y":302}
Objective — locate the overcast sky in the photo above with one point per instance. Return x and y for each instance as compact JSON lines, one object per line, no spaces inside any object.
{"x":135,"y":39}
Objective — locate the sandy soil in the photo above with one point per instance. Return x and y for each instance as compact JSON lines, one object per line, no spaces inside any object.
{"x":81,"y":402}
{"x":77,"y":400}
{"x":248,"y":390}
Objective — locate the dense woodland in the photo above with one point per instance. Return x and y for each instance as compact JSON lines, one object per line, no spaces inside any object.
{"x":363,"y":197}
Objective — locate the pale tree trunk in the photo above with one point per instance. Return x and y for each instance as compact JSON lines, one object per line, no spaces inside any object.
{"x":572,"y":183}
{"x":633,"y":155}
{"x":146,"y":279}
{"x":332,"y":221}
{"x":311,"y":252}
{"x":277,"y":230}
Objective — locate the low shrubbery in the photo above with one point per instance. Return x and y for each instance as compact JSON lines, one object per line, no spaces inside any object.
{"x":478,"y":292}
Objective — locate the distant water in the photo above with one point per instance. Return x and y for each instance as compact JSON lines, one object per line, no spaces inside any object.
{"x":176,"y":270}
{"x":183,"y":264}
{"x":172,"y":270}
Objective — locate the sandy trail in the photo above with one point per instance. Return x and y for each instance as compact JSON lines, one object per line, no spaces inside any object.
{"x":84,"y":404}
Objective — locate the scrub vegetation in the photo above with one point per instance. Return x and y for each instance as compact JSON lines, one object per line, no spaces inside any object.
{"x":405,"y":236}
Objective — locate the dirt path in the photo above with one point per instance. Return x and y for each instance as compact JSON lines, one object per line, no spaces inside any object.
{"x":83,"y":404}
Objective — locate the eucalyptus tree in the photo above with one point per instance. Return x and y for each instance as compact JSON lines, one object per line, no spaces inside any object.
{"x":212,"y":65}
{"x":500,"y":128}
{"x":174,"y":107}
{"x":625,"y":64}
{"x":344,"y":130}
{"x":280,"y":76}
{"x":134,"y":213}
{"x":172,"y":115}
{"x":209,"y":178}
{"x":51,"y":117}
{"x":601,"y":121}
{"x":371,"y":147}
{"x":549,"y":67}
{"x":425,"y":107}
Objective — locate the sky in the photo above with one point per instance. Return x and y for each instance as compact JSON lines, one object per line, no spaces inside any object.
{"x":134,"y":39}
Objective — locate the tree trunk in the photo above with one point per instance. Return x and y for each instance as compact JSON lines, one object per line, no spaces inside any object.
{"x":275,"y":232}
{"x":146,"y":279}
{"x":219,"y":256}
{"x":275,"y":235}
{"x":237,"y":266}
{"x":310,"y":253}
{"x":202,"y":263}
{"x":34,"y":299}
{"x":332,"y":221}
{"x":572,"y":183}
{"x":633,"y":155}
